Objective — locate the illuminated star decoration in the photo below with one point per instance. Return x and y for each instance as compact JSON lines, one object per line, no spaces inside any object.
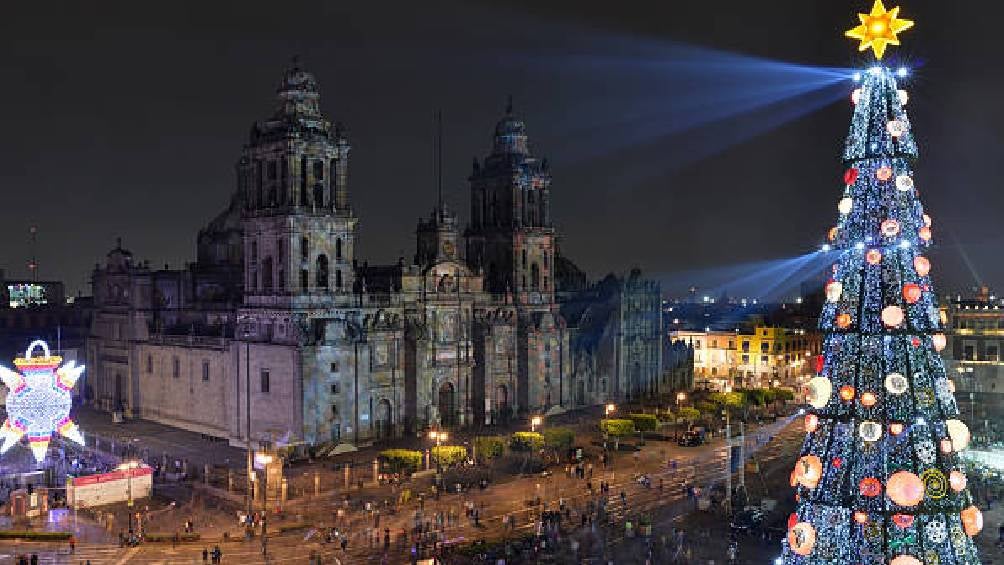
{"x":879,"y":28}
{"x":38,"y":401}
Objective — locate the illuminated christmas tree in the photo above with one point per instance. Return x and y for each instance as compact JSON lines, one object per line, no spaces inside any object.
{"x":880,"y":479}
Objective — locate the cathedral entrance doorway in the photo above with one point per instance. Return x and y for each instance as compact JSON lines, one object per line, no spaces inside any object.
{"x":384,"y":420}
{"x":447,"y":405}
{"x":502,"y":403}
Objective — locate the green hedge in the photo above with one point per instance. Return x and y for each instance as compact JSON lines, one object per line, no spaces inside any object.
{"x":644,"y":422}
{"x":688,"y":414}
{"x":617,"y":428}
{"x":447,"y":455}
{"x":35,"y":536}
{"x":489,"y":447}
{"x":526,"y":441}
{"x":399,"y":460}
{"x":559,"y":438}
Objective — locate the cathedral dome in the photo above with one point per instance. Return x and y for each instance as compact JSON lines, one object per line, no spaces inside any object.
{"x":510,"y":134}
{"x":298,"y":93}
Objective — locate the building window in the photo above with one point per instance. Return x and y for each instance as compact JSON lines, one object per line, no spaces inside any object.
{"x":318,"y":170}
{"x":304,"y":279}
{"x":714,"y":343}
{"x":335,"y":388}
{"x":992,"y":353}
{"x":338,"y":248}
{"x":265,"y":384}
{"x":304,"y":248}
{"x":205,"y":371}
{"x":149,"y":363}
{"x":334,"y":366}
{"x":746,"y":359}
{"x":175,"y":368}
{"x":338,"y":279}
{"x":334,"y":411}
{"x":322,"y":271}
{"x":303,"y":181}
{"x":697,"y":344}
{"x":763,"y":359}
{"x":969,"y":352}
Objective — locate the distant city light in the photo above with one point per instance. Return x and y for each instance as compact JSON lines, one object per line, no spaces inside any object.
{"x":859,"y":246}
{"x":857,"y":78}
{"x":826,"y":247}
{"x":903,"y":72}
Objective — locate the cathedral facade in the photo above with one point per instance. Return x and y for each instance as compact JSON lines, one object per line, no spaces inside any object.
{"x":277,"y":333}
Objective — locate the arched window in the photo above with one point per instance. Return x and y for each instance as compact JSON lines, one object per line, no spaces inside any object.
{"x":304,"y":248}
{"x":535,"y":276}
{"x":338,"y":248}
{"x":266,"y":274}
{"x":304,"y":280}
{"x":338,"y":279}
{"x":322,"y":271}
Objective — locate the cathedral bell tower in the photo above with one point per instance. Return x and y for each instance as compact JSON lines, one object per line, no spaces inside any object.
{"x":299,"y":230}
{"x":511,"y":236}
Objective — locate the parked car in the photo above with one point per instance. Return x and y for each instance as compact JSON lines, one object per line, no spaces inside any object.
{"x":691,"y":438}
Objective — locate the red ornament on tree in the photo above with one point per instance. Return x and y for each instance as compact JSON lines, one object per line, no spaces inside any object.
{"x":792,"y":520}
{"x":903,"y":520}
{"x":911,"y":293}
{"x":819,"y":363}
{"x":838,"y":462}
{"x":850,"y":176}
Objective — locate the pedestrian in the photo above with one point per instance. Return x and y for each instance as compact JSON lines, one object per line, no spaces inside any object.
{"x":34,"y":559}
{"x":205,"y":554}
{"x":73,"y":544}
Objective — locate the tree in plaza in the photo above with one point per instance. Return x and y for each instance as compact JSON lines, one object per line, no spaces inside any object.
{"x":880,"y":480}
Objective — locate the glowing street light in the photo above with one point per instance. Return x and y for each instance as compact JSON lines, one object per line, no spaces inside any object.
{"x":534,"y":422}
{"x":438,"y":436}
{"x":609,"y":409}
{"x":680,"y":397}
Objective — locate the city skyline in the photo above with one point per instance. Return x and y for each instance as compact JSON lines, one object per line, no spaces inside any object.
{"x":170,"y":111}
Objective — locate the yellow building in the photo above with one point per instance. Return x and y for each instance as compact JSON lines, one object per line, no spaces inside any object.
{"x":771,"y":356}
{"x":765,"y":357}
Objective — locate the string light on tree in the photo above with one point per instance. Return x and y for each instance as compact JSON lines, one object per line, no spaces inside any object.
{"x":883,"y":414}
{"x":38,"y":400}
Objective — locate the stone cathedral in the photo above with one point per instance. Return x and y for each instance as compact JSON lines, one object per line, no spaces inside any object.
{"x":278,"y":328}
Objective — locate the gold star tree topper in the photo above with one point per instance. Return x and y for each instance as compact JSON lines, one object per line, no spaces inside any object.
{"x":879,"y":29}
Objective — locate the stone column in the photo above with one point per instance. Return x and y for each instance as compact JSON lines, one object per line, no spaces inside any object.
{"x":285,"y":490}
{"x":427,"y":459}
{"x":205,"y":473}
{"x":348,"y":475}
{"x":376,"y":472}
{"x":230,"y":480}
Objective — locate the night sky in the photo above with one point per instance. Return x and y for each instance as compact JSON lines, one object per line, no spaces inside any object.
{"x":127,"y":118}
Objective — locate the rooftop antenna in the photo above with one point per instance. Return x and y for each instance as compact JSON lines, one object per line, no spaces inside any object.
{"x":439,"y":159}
{"x":33,"y":263}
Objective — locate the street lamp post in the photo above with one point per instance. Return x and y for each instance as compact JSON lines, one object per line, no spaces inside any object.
{"x":264,"y":459}
{"x":129,"y":467}
{"x":607,"y":411}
